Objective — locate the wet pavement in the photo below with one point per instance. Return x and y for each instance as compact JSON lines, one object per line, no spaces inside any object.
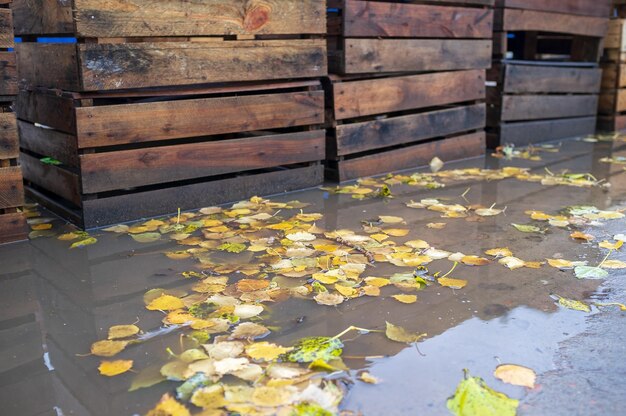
{"x":55,"y":302}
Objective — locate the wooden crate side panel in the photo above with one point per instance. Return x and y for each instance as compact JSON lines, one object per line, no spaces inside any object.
{"x":51,"y":17}
{"x":414,"y":55}
{"x":109,"y":171}
{"x":537,"y":107}
{"x":8,"y":73}
{"x":36,"y":68}
{"x":610,"y":73}
{"x":608,"y":102}
{"x":376,"y":19}
{"x":512,"y":20}
{"x":47,"y":109}
{"x":13,"y":228}
{"x":601,"y":8}
{"x":360,"y":137}
{"x":101,"y":212}
{"x":51,"y":143}
{"x":57,"y":180}
{"x":454,"y":148}
{"x":122,"y":18}
{"x":386,"y":95}
{"x":6,"y":29}
{"x":140,"y":65}
{"x":134,"y":123}
{"x":547,"y":79}
{"x":11,"y":187}
{"x":9,"y":147}
{"x":615,"y":38}
{"x":612,"y":123}
{"x":525,"y":133}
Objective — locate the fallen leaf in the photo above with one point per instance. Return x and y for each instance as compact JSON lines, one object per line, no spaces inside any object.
{"x":145,"y":238}
{"x":114,"y":368}
{"x":488,"y":212}
{"x":108,"y":348}
{"x":165,"y":303}
{"x":577,"y":235}
{"x":516,"y":375}
{"x":527,"y":228}
{"x":436,"y":225}
{"x":119,"y":229}
{"x":368,"y":378}
{"x":408,"y":299}
{"x":86,"y":242}
{"x":264,"y":351}
{"x":575,"y":305}
{"x":346,"y":291}
{"x":512,"y":262}
{"x":589,"y":272}
{"x":230,"y":365}
{"x":399,"y":334}
{"x":329,"y":299}
{"x":301,"y":236}
{"x":122,"y":331}
{"x":611,"y":246}
{"x":475,"y":261}
{"x":308,"y":350}
{"x":452,"y":283}
{"x":436,"y":165}
{"x":210,"y":397}
{"x":621,"y":306}
{"x":252,"y":285}
{"x":474,"y":398}
{"x":499,"y":252}
{"x":232,"y":247}
{"x":273,"y":396}
{"x":613,"y":264}
{"x":250,"y":331}
{"x":386,"y":219}
{"x":247,"y":311}
{"x":168,"y":406}
{"x":396,"y":232}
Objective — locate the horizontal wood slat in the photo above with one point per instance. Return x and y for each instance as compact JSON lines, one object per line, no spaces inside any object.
{"x":11,"y":188}
{"x":50,"y":143}
{"x":599,"y":8}
{"x":519,"y":134}
{"x":53,"y":178}
{"x":536,"y":107}
{"x":511,"y":20}
{"x":13,"y":228}
{"x":551,"y":79}
{"x":9,"y":148}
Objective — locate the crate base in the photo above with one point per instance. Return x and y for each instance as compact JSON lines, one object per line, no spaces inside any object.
{"x":13,"y":228}
{"x":449,"y":149}
{"x":128,"y":207}
{"x":531,"y":132}
{"x":615,"y":123}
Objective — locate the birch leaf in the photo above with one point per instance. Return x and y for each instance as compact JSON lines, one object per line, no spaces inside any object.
{"x":473,"y":398}
{"x":399,"y":334}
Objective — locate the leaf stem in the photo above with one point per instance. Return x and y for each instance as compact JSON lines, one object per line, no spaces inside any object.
{"x":606,"y":258}
{"x":456,"y":263}
{"x":354,"y":328}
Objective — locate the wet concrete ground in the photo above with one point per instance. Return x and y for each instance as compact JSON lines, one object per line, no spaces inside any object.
{"x":55,"y":302}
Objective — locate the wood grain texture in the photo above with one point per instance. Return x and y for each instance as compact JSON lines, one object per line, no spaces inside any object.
{"x":551,"y":79}
{"x":113,"y":210}
{"x":385,"y":95}
{"x":454,"y":148}
{"x":51,"y":17}
{"x":121,"y":18}
{"x":9,"y":147}
{"x":613,"y":76}
{"x":134,"y":123}
{"x":612,"y":102}
{"x":57,"y":180}
{"x":376,"y":19}
{"x":6,"y":29}
{"x":13,"y":228}
{"x":406,"y":55}
{"x":49,"y":143}
{"x":11,"y":188}
{"x":377,"y":134}
{"x":511,"y":20}
{"x":109,"y":171}
{"x":531,"y":132}
{"x":34,"y":60}
{"x":616,"y":123}
{"x":46,"y":109}
{"x":8,"y":73}
{"x":599,"y":8}
{"x":538,"y":107}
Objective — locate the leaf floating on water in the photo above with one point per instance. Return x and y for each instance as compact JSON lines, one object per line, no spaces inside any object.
{"x":399,"y":334}
{"x":436,"y":225}
{"x":301,"y":237}
{"x":145,"y":238}
{"x":565,"y":264}
{"x":590,"y":272}
{"x":122,"y":331}
{"x":621,"y":306}
{"x":185,"y":390}
{"x":108,"y":348}
{"x":516,"y":375}
{"x":611,"y":246}
{"x":499,"y":252}
{"x":264,"y":351}
{"x":488,"y":212}
{"x":147,"y":377}
{"x":452,"y":283}
{"x":526,"y":228}
{"x":368,"y":378}
{"x":474,"y":398}
{"x":252,"y":285}
{"x":408,"y":299}
{"x":165,"y":303}
{"x":273,"y":396}
{"x":211,"y":397}
{"x":577,"y":235}
{"x":572,"y":304}
{"x":329,"y":299}
{"x":310,"y":349}
{"x":387,"y":219}
{"x":250,"y":331}
{"x":168,"y":406}
{"x":474,"y":261}
{"x":232,"y":247}
{"x":119,"y":229}
{"x":83,"y":243}
{"x":41,"y":227}
{"x":114,"y":368}
{"x":613,"y":264}
{"x":512,"y":262}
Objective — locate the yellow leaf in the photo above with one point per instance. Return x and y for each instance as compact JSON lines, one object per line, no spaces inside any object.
{"x":252,"y":285}
{"x":165,"y":303}
{"x":41,"y":227}
{"x":408,"y":299}
{"x":419,"y":244}
{"x":122,"y":331}
{"x":540,"y":216}
{"x":611,"y":246}
{"x":210,"y":397}
{"x":370,"y":290}
{"x":377,"y":281}
{"x":329,"y":299}
{"x":272,"y":396}
{"x":512,"y":262}
{"x":613,"y":264}
{"x":301,"y":236}
{"x":499,"y":252}
{"x":516,"y":375}
{"x":108,"y":348}
{"x":368,"y":378}
{"x":114,"y":368}
{"x":281,"y":226}
{"x":177,"y":255}
{"x":452,"y":283}
{"x":475,"y":261}
{"x":399,"y":334}
{"x":346,"y":291}
{"x":387,"y":219}
{"x":264,"y":351}
{"x":415,"y":261}
{"x":534,"y":264}
{"x":396,"y":232}
{"x":69,"y":236}
{"x":561,"y":264}
{"x":327,"y":248}
{"x":379,"y":237}
{"x":577,"y":235}
{"x":168,"y":406}
{"x":362,"y":191}
{"x":436,"y":225}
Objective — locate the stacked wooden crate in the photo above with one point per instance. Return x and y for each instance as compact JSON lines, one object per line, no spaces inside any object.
{"x":162,"y":105}
{"x":612,"y":108}
{"x":545,"y":79}
{"x":407,"y":83}
{"x":12,"y":220}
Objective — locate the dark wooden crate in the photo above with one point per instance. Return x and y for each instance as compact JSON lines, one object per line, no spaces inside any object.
{"x":140,"y":43}
{"x":531,"y":102}
{"x":368,"y":37}
{"x":390,"y":123}
{"x":143,"y":153}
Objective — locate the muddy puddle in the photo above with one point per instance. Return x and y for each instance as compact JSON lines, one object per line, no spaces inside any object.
{"x":57,"y":301}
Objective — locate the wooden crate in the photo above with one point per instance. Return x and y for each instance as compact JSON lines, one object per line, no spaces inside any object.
{"x":531,"y":102}
{"x":367,"y":37}
{"x":139,"y":43}
{"x":132,"y":154}
{"x":398,"y":122}
{"x":612,"y":108}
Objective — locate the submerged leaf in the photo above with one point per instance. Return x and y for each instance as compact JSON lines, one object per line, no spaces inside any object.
{"x":146,"y":238}
{"x":516,"y":375}
{"x":527,"y":228}
{"x":86,"y":242}
{"x":122,"y":331}
{"x":310,"y":349}
{"x":399,"y":334}
{"x":474,"y":398}
{"x":232,"y":247}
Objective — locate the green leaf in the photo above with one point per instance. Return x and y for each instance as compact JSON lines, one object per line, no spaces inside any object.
{"x":185,"y":390}
{"x":525,"y":228}
{"x":589,"y":272}
{"x":86,"y":242}
{"x":399,"y":334}
{"x":575,"y":305}
{"x":308,"y":350}
{"x":310,"y":409}
{"x":50,"y":161}
{"x":232,"y":247}
{"x":474,"y":398}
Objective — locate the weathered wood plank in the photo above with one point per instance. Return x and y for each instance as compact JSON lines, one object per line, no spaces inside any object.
{"x":134,"y":123}
{"x":120,"y":18}
{"x":109,"y":171}
{"x":34,"y":61}
{"x":46,"y":109}
{"x":525,"y":133}
{"x":613,"y":76}
{"x":8,"y":74}
{"x":406,"y":55}
{"x":9,"y":148}
{"x":385,"y":95}
{"x":101,"y":212}
{"x":57,"y":180}
{"x":13,"y":228}
{"x":51,"y":17}
{"x":51,"y":143}
{"x":6,"y":29}
{"x":612,"y":123}
{"x":616,"y":36}
{"x":600,"y":8}
{"x":377,"y":19}
{"x":612,"y":102}
{"x":11,"y":187}
{"x":551,"y":79}
{"x":537,"y":107}
{"x":454,"y":148}
{"x":360,"y":137}
{"x":511,"y":20}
